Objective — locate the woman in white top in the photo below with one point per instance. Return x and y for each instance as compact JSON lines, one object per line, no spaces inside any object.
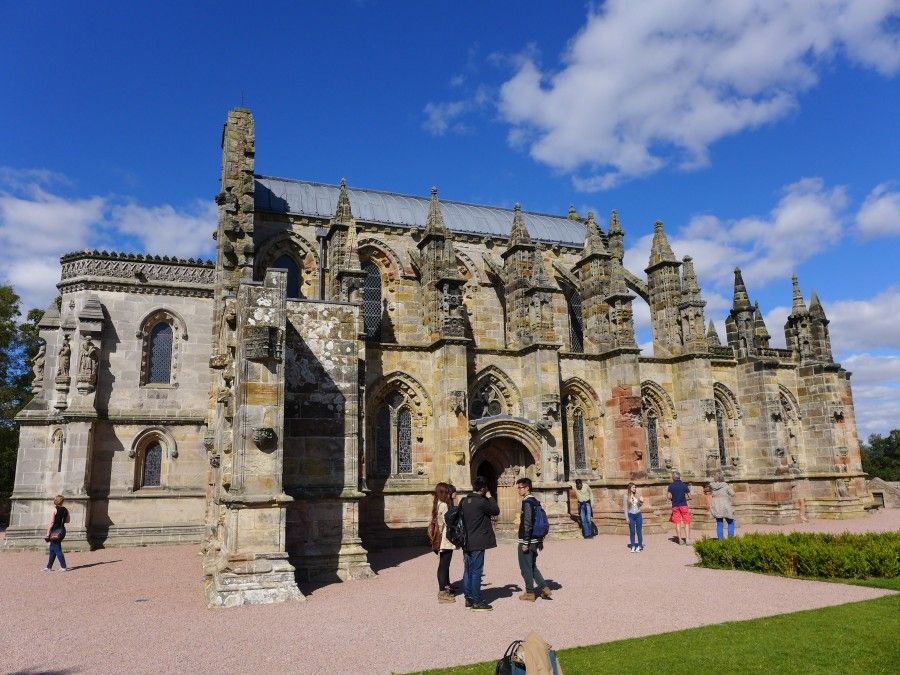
{"x":443,"y":500}
{"x":632,"y":503}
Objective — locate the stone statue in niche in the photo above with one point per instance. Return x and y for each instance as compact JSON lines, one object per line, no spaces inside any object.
{"x":63,"y":361}
{"x":87,"y":365}
{"x":37,"y":367}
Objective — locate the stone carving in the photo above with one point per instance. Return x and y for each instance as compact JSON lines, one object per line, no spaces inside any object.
{"x":842,"y":486}
{"x":264,"y":437}
{"x":550,"y":406}
{"x":57,"y":439}
{"x":209,"y":441}
{"x":262,"y":343}
{"x":37,"y":367}
{"x":63,"y":361}
{"x":457,"y":402}
{"x":145,"y":269}
{"x":214,"y":461}
{"x":708,"y":408}
{"x":87,"y":366}
{"x":837,"y":412}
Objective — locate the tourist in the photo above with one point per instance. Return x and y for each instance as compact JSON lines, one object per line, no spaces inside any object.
{"x":443,"y":500}
{"x":585,"y":507}
{"x":529,"y":545}
{"x":721,"y":507}
{"x":680,"y":493}
{"x":56,"y":532}
{"x":631,"y":503}
{"x":477,"y":509}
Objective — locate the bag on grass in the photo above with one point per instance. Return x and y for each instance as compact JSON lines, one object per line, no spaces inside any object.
{"x":511,"y":663}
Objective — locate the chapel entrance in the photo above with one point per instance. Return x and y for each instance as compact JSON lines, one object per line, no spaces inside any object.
{"x":502,"y":461}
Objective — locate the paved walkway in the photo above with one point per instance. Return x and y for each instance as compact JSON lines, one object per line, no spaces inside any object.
{"x":142,"y":610}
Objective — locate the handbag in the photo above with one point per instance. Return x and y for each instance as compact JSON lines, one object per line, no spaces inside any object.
{"x":56,"y":534}
{"x":511,"y":664}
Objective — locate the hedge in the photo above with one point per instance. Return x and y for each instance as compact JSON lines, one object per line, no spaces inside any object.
{"x":801,"y":554}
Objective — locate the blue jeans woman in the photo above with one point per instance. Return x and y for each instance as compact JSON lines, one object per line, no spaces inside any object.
{"x":56,"y":532}
{"x":631,"y":504}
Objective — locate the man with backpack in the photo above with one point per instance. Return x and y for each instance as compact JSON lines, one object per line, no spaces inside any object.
{"x":476,"y":510}
{"x":533,"y":527}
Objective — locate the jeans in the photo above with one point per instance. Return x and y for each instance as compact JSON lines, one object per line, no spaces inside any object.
{"x":586,"y":513}
{"x":443,"y":572}
{"x":528,"y":566}
{"x":473,"y":566}
{"x":719,"y":533}
{"x":636,"y":528}
{"x":56,"y":552}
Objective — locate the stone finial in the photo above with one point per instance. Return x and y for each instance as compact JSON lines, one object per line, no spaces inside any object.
{"x":343,"y":213}
{"x":660,"y":250}
{"x":593,"y":242}
{"x":616,"y":236}
{"x":741,"y":299}
{"x":689,"y":286}
{"x":434,"y":222}
{"x":815,"y":306}
{"x":712,"y":335}
{"x":759,"y":326}
{"x":798,"y":306}
{"x":518,"y":234}
{"x":615,"y":227}
{"x":617,"y":287}
{"x":573,"y":213}
{"x":539,"y":276}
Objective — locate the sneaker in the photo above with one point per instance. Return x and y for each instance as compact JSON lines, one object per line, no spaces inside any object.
{"x":546,"y":594}
{"x":46,"y":569}
{"x":468,"y":604}
{"x":684,"y":542}
{"x":633,"y":549}
{"x":528,"y":597}
{"x":445,"y":597}
{"x":640,"y":548}
{"x":481,"y":607}
{"x":63,"y":569}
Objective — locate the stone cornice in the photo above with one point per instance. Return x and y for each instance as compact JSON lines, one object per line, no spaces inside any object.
{"x":164,"y":275}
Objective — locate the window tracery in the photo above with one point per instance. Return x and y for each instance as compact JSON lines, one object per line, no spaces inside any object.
{"x":371,"y":301}
{"x":161,"y":333}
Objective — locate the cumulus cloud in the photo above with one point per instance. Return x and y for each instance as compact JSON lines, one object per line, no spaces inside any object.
{"x":447,"y":117}
{"x":876,"y":391}
{"x":879,"y":215}
{"x":38,"y":225}
{"x":647,"y":84}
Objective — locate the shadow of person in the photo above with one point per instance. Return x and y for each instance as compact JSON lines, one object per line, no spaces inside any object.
{"x":493,"y":593}
{"x":72,"y":568}
{"x":552,"y":585}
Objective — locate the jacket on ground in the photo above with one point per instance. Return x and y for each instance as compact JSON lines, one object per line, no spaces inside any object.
{"x":477,"y":512}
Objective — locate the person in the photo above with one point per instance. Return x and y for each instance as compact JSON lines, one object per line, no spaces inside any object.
{"x":443,"y":500}
{"x":56,"y":532}
{"x":585,"y":507}
{"x":721,"y":507}
{"x":529,"y":545}
{"x":631,"y":503}
{"x":477,"y":509}
{"x":680,"y":493}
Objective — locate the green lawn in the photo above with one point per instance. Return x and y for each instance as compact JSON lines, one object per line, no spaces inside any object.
{"x":860,"y":637}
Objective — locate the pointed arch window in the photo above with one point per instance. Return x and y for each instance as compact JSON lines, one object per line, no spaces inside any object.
{"x":159,"y":356}
{"x":286,"y":262}
{"x":578,"y":440}
{"x":404,"y":441}
{"x":383,"y":441}
{"x":371,"y":301}
{"x":576,"y":328}
{"x":151,"y":471}
{"x":653,"y":438}
{"x":720,"y":433}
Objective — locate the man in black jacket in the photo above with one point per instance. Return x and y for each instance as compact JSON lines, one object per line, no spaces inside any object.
{"x":529,"y":545}
{"x":477,"y":509}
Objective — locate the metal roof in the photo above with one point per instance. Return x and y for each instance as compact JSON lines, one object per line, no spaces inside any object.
{"x":305,"y":198}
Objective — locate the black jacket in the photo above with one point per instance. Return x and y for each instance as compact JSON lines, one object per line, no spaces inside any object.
{"x":526,"y":521}
{"x":477,"y":512}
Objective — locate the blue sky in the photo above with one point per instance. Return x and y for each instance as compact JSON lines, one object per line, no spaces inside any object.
{"x":762,"y":133}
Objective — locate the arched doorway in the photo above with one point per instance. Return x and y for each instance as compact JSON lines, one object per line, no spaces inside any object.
{"x":502,"y":461}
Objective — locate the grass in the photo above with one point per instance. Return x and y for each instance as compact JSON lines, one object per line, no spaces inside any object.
{"x":859,"y":637}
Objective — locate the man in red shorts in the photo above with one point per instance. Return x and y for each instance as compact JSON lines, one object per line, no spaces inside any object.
{"x":680,"y":493}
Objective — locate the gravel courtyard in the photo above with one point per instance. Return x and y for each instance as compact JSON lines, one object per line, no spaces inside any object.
{"x":142,"y":610}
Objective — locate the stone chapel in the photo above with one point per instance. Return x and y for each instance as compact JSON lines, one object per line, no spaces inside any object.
{"x":291,"y":405}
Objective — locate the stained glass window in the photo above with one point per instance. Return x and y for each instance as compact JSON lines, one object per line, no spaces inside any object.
{"x":383,"y":441}
{"x":652,"y":440}
{"x":286,"y":262}
{"x":576,"y":331}
{"x":720,"y":430}
{"x":578,"y":433}
{"x":371,"y":296}
{"x":152,"y":465}
{"x":159,"y":358}
{"x":404,"y":441}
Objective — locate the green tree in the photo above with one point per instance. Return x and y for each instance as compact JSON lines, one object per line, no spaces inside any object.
{"x":881,"y":456}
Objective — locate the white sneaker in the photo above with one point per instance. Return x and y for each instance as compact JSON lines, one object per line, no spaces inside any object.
{"x":633,"y":549}
{"x":63,"y":569}
{"x":46,"y":569}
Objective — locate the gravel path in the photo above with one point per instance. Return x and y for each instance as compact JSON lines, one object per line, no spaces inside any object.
{"x":142,"y":610}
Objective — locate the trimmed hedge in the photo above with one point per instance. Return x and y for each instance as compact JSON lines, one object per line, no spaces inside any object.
{"x":801,"y":554}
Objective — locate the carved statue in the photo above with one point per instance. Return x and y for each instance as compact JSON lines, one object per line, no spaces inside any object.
{"x":37,"y":367}
{"x":87,"y":366}
{"x":63,"y":360}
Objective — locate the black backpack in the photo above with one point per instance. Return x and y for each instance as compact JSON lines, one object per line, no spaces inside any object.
{"x":456,"y":527}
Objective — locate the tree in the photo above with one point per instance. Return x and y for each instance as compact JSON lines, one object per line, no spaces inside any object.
{"x":881,"y":456}
{"x":18,"y":343}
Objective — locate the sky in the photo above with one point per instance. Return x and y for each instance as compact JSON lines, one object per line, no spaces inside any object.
{"x":762,"y":133}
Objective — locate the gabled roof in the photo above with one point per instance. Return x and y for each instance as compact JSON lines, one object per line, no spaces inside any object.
{"x":305,"y":198}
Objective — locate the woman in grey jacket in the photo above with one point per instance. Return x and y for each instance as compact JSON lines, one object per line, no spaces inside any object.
{"x":721,"y":507}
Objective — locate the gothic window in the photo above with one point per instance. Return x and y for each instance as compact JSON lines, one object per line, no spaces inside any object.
{"x":486,"y":403}
{"x":578,"y":434}
{"x":576,"y":330}
{"x":152,"y":468}
{"x":159,"y":358}
{"x":653,"y":439}
{"x":286,"y":262}
{"x":404,"y":441}
{"x":383,"y":441}
{"x":371,"y":297}
{"x":720,"y":433}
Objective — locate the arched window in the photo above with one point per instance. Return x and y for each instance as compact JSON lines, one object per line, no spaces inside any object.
{"x":371,"y":297}
{"x":576,"y":330}
{"x":653,"y":438}
{"x":720,"y":433}
{"x":383,"y":441}
{"x":404,"y":441}
{"x":152,"y":468}
{"x":159,"y":354}
{"x":286,"y":262}
{"x":578,"y":438}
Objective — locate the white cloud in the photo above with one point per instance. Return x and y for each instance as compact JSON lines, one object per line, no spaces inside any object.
{"x":879,"y":215}
{"x":37,"y":226}
{"x":876,"y":392}
{"x":442,"y":117}
{"x":651,"y":83}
